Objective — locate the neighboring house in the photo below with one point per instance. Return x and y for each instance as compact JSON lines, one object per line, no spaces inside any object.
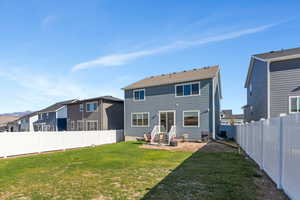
{"x":227,"y":118}
{"x":273,"y":84}
{"x":26,"y":122}
{"x":53,"y":118}
{"x":14,"y":126}
{"x":101,"y":113}
{"x":188,"y":101}
{"x":5,"y":121}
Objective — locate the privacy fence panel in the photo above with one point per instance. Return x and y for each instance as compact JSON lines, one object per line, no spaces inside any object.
{"x":274,"y":144}
{"x":18,"y":143}
{"x":271,"y":148}
{"x":291,"y":156}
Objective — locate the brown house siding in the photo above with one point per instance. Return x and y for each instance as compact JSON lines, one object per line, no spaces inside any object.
{"x":109,"y":114}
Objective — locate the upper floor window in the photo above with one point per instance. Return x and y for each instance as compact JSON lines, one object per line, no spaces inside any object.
{"x":250,"y":89}
{"x":81,"y":107}
{"x":188,"y":89}
{"x":91,"y":107}
{"x":294,"y":104}
{"x":139,"y":95}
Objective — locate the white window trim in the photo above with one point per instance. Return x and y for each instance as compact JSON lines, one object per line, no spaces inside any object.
{"x":138,"y":126}
{"x":91,"y":121}
{"x":290,"y":104}
{"x":80,"y":121}
{"x":133,"y":97}
{"x":173,"y":111}
{"x":82,"y":107}
{"x":86,"y":105}
{"x":72,"y":123}
{"x":189,"y":83}
{"x":198,"y":111}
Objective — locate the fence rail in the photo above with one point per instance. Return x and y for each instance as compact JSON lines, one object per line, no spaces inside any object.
{"x":19,"y":143}
{"x":274,"y":144}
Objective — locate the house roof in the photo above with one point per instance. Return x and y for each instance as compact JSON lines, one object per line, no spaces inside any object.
{"x":277,"y":54}
{"x":56,"y":106}
{"x":109,"y":98}
{"x":271,"y":56}
{"x":6,"y":119}
{"x":176,"y":77}
{"x":237,"y":116}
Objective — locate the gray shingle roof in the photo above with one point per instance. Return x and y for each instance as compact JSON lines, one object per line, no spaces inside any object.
{"x":280,"y":53}
{"x":109,"y":98}
{"x":176,"y":77}
{"x":56,"y":106}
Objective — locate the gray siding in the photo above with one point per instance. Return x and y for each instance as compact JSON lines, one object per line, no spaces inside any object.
{"x":259,"y":98}
{"x":113,"y":115}
{"x":284,"y":82}
{"x":162,"y":98}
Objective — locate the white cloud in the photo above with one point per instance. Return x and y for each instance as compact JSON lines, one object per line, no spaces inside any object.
{"x":48,"y":20}
{"x":121,"y":59}
{"x":36,"y":90}
{"x":40,"y":90}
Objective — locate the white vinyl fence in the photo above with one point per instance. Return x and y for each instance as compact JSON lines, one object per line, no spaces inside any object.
{"x":18,"y":143}
{"x":274,"y":144}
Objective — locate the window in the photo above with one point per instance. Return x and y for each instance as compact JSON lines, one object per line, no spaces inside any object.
{"x":189,"y":89}
{"x":91,"y":107}
{"x":191,"y":118}
{"x":294,"y":104}
{"x":250,"y":89}
{"x":80,"y":125}
{"x":72,"y":125}
{"x":81,"y":107}
{"x":139,"y":95}
{"x":92,"y":125}
{"x":140,"y":119}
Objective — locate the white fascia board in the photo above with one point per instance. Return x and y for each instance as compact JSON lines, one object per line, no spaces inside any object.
{"x":251,"y":68}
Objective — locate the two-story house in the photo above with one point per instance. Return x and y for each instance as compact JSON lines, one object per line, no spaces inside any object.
{"x":100,"y":113}
{"x":53,"y":118}
{"x":26,"y":122}
{"x":228,"y":118}
{"x":273,"y":84}
{"x":186,"y":102}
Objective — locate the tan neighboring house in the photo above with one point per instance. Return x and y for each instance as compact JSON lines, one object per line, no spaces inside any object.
{"x":100,"y":113}
{"x":228,"y":118}
{"x":6,"y":121}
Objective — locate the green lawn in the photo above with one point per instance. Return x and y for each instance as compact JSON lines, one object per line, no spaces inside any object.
{"x":124,"y":171}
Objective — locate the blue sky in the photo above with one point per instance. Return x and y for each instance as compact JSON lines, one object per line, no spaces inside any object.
{"x":57,"y":50}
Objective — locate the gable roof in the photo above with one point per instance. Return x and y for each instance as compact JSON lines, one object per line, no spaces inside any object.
{"x":176,"y":77}
{"x":278,"y":54}
{"x":109,"y":98}
{"x":271,"y":56}
{"x":6,"y":119}
{"x":56,"y":106}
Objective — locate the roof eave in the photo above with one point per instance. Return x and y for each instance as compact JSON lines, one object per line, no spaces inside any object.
{"x":249,"y":74}
{"x":141,"y":87}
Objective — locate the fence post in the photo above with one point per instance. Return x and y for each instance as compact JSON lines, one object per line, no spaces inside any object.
{"x":280,"y":159}
{"x":262,"y":142}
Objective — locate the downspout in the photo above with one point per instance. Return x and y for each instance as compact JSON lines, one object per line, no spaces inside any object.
{"x":101,"y":115}
{"x":213,"y":110}
{"x":269,"y":91}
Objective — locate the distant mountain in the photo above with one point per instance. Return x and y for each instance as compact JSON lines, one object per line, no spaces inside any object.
{"x":17,"y":114}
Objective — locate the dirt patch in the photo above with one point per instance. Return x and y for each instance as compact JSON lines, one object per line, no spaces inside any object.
{"x":182,"y":146}
{"x":217,"y":147}
{"x":267,"y":189}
